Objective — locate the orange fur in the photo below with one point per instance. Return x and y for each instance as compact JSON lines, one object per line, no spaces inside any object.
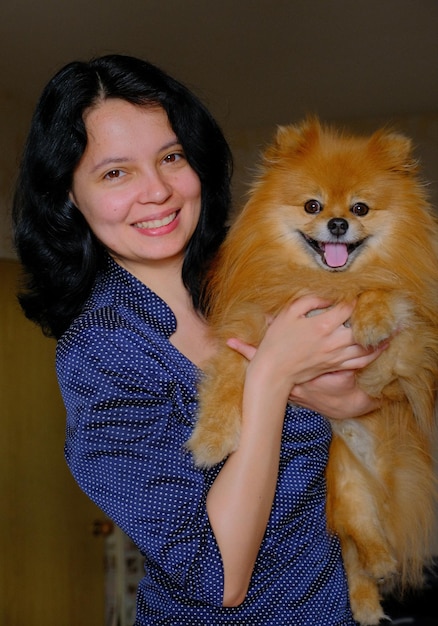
{"x":379,"y":477}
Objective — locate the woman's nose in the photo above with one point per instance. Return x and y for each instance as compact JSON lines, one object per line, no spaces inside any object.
{"x":154,"y":188}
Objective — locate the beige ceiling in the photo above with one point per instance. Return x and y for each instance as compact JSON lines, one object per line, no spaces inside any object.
{"x":255,"y":62}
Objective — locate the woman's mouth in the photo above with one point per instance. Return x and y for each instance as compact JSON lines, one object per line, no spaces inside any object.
{"x":156,"y":223}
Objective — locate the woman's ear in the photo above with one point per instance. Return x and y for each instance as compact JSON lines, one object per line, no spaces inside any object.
{"x":72,"y":199}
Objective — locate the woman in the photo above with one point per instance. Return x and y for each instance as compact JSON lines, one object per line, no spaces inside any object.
{"x":121,"y":203}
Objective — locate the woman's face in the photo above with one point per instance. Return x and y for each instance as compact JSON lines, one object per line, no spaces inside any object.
{"x":135,"y":187}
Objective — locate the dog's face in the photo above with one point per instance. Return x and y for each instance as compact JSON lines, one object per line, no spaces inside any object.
{"x":338,"y":199}
{"x":334,"y":231}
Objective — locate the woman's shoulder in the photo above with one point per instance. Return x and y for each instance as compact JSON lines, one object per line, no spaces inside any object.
{"x":108,"y":332}
{"x":119,"y":304}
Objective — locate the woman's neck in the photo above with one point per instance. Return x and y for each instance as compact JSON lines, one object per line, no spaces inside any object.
{"x":162,"y":277}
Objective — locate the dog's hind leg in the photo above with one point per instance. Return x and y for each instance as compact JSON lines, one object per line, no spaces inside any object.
{"x":364,"y":591}
{"x":353,"y":514}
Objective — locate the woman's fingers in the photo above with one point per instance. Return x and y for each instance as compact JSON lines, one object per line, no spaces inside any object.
{"x":309,"y":306}
{"x":360,"y":357}
{"x":245,"y":349}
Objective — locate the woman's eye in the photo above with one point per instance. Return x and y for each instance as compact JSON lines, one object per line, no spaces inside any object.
{"x":173,"y":157}
{"x":112,"y":174}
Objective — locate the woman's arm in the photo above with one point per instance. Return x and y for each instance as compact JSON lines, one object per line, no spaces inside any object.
{"x":240,"y":500}
{"x":130,"y":410}
{"x":296,"y":349}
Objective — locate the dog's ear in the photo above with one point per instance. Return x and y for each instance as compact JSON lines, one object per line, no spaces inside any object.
{"x":396,"y":149}
{"x":294,"y":139}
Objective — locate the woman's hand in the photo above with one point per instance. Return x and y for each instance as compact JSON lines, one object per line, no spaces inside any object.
{"x":318,"y":357}
{"x":335,"y":395}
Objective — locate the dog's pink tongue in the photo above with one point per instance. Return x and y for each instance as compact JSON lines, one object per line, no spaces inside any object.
{"x":335,"y":254}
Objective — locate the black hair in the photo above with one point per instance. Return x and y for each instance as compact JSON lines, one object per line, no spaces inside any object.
{"x":60,"y":255}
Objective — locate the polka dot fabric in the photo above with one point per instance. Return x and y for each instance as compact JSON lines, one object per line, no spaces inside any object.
{"x":131,"y":402}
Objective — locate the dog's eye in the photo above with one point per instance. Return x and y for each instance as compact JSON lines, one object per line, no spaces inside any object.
{"x":312,"y":206}
{"x":360,"y":209}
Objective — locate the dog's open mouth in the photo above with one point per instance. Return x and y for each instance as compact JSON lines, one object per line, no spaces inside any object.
{"x":334,"y":255}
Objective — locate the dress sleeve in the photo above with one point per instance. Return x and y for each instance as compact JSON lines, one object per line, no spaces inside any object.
{"x":128,"y":416}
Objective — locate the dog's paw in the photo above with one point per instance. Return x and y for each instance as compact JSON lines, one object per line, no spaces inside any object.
{"x":371,"y":617}
{"x":378,"y":316}
{"x":365,"y":601}
{"x":376,"y":558}
{"x":384,"y":569}
{"x":210,"y":447}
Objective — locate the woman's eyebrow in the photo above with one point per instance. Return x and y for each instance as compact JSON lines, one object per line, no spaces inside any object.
{"x":171,"y":144}
{"x":109,"y":161}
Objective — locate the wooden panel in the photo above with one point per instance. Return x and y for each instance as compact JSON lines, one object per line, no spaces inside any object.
{"x":51,"y":566}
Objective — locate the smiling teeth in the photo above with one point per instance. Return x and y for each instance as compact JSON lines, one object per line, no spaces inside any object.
{"x":157,"y":223}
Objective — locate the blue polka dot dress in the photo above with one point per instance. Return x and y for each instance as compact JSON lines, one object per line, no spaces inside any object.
{"x":131,"y":402}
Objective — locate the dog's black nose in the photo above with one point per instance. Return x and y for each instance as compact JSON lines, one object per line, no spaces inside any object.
{"x":338,"y":226}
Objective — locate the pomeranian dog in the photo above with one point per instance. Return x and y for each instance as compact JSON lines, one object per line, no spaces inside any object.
{"x":346,"y":218}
